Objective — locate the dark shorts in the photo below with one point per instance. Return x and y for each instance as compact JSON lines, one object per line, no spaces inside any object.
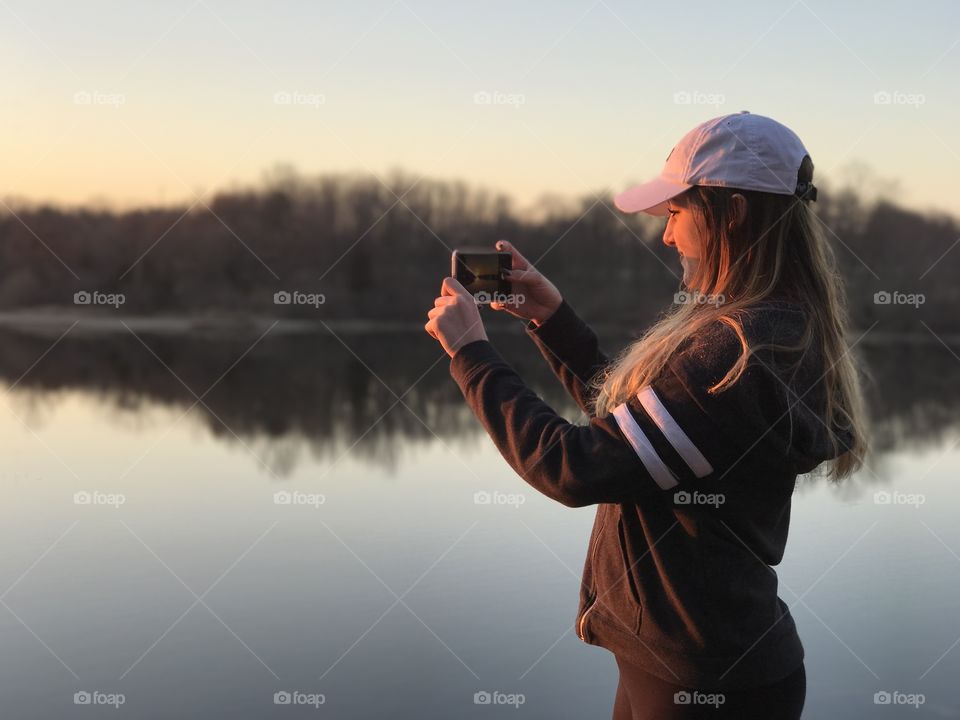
{"x":642,"y":696}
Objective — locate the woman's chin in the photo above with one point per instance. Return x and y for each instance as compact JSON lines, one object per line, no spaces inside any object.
{"x":689,"y":267}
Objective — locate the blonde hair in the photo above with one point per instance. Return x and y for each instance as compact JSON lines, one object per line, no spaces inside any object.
{"x":778,"y":252}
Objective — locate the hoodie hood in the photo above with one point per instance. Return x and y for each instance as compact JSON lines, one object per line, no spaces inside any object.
{"x":781,"y":396}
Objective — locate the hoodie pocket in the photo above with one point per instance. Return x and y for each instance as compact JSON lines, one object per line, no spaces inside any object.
{"x":617,"y":595}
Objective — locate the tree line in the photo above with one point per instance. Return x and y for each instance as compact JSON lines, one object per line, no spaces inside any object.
{"x":372,"y":250}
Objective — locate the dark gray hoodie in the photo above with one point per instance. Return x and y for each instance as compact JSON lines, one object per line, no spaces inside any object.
{"x":693,"y":490}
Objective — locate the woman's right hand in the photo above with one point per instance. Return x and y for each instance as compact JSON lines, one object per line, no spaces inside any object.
{"x":540,"y":297}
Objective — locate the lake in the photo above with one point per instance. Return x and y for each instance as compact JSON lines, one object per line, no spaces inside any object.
{"x":195,"y":523}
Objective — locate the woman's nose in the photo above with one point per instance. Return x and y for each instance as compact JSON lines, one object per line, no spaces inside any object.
{"x":668,"y":238}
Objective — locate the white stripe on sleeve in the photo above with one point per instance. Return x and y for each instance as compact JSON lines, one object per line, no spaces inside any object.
{"x":641,"y":445}
{"x":674,"y":434}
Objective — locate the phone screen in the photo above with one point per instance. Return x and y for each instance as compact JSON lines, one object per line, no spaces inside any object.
{"x":481,"y":273}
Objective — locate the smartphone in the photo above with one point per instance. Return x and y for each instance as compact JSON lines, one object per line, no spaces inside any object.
{"x":481,"y":273}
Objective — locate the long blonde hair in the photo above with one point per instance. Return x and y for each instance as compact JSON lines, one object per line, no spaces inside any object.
{"x":778,"y":252}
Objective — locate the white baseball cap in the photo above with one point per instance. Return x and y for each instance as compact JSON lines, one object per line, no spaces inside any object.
{"x":740,"y":150}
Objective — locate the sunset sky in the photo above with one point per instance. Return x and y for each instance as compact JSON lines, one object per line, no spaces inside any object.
{"x":133,"y":103}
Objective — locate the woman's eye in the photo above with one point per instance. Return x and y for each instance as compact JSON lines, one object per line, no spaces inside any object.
{"x":673,"y":212}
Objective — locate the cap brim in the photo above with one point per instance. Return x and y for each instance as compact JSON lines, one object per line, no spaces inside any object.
{"x":649,"y":197}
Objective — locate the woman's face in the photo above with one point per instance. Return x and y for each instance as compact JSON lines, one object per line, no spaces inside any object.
{"x":683,"y":232}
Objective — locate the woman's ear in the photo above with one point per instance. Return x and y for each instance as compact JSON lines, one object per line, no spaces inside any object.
{"x":739,"y":210}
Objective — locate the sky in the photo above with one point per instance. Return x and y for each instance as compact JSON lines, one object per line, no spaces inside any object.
{"x":147,"y":102}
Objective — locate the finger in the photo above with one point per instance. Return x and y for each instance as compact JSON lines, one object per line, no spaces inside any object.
{"x":452,"y":287}
{"x":434,"y":312}
{"x":504,"y":307}
{"x":519,"y":261}
{"x":430,"y":331}
{"x":522,"y":276}
{"x":443,"y":300}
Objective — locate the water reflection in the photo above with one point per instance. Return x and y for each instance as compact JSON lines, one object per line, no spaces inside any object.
{"x":306,"y":597}
{"x":374,"y":394}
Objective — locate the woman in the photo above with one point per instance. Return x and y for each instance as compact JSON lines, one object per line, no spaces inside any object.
{"x":698,"y":430}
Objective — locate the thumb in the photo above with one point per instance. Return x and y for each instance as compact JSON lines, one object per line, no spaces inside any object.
{"x":452,"y":287}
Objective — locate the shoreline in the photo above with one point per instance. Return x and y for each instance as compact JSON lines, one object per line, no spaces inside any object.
{"x":55,"y":321}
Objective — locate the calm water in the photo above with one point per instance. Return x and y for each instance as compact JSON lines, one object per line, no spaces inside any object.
{"x":181,"y":580}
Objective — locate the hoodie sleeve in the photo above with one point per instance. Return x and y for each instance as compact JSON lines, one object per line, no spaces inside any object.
{"x":571,"y":349}
{"x":575,"y":465}
{"x":671,"y":435}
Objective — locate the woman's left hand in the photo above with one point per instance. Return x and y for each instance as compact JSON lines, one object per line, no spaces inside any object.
{"x":455,"y":318}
